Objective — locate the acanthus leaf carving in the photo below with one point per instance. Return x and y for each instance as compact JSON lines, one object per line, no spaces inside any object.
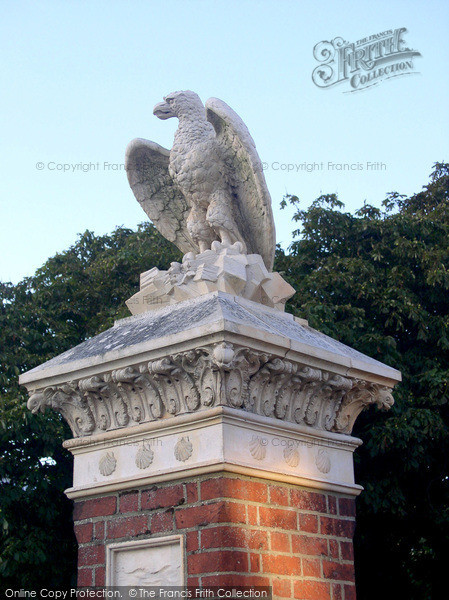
{"x":362,"y":394}
{"x":335,"y":390}
{"x":262,"y":389}
{"x":220,"y":374}
{"x":66,"y":400}
{"x":161,"y":372}
{"x":129,"y":402}
{"x":235,"y":367}
{"x":93,"y":390}
{"x":303,"y":385}
{"x":149,"y":397}
{"x":177,"y":389}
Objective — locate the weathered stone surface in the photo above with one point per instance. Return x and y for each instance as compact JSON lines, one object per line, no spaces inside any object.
{"x":196,"y":318}
{"x":215,"y":350}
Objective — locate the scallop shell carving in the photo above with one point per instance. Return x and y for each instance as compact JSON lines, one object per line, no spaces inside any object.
{"x":291,"y":456}
{"x":258,"y":448}
{"x":323,"y":461}
{"x":144,"y":457}
{"x":183,"y":449}
{"x":107,"y":464}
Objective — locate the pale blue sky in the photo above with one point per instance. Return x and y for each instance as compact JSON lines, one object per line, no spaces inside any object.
{"x":79,"y":80}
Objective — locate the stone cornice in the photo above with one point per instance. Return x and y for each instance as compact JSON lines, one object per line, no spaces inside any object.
{"x":219,"y":374}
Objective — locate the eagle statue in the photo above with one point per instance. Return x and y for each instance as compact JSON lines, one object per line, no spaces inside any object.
{"x":210,"y":186}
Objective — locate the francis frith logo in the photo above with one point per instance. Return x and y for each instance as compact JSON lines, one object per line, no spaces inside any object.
{"x":364,"y":63}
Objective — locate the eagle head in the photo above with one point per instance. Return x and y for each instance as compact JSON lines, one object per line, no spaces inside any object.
{"x":178,"y":104}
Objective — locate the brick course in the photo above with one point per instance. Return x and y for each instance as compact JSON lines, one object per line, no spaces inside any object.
{"x":238,"y":531}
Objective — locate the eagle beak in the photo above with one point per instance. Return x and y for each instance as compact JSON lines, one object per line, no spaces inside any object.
{"x":163,"y":111}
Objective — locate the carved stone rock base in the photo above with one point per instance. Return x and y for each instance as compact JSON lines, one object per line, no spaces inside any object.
{"x":223,"y":268}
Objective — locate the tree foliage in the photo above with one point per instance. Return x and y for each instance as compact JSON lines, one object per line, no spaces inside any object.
{"x":75,"y":295}
{"x":376,"y":280}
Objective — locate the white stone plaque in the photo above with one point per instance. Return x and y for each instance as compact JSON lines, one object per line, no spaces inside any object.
{"x":155,"y":561}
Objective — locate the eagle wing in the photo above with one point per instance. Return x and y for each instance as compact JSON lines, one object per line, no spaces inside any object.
{"x":246,"y":178}
{"x":146,"y":165}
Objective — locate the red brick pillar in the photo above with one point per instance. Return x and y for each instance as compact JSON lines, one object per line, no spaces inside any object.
{"x":237,"y":530}
{"x":212,"y":445}
{"x":212,"y":435}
